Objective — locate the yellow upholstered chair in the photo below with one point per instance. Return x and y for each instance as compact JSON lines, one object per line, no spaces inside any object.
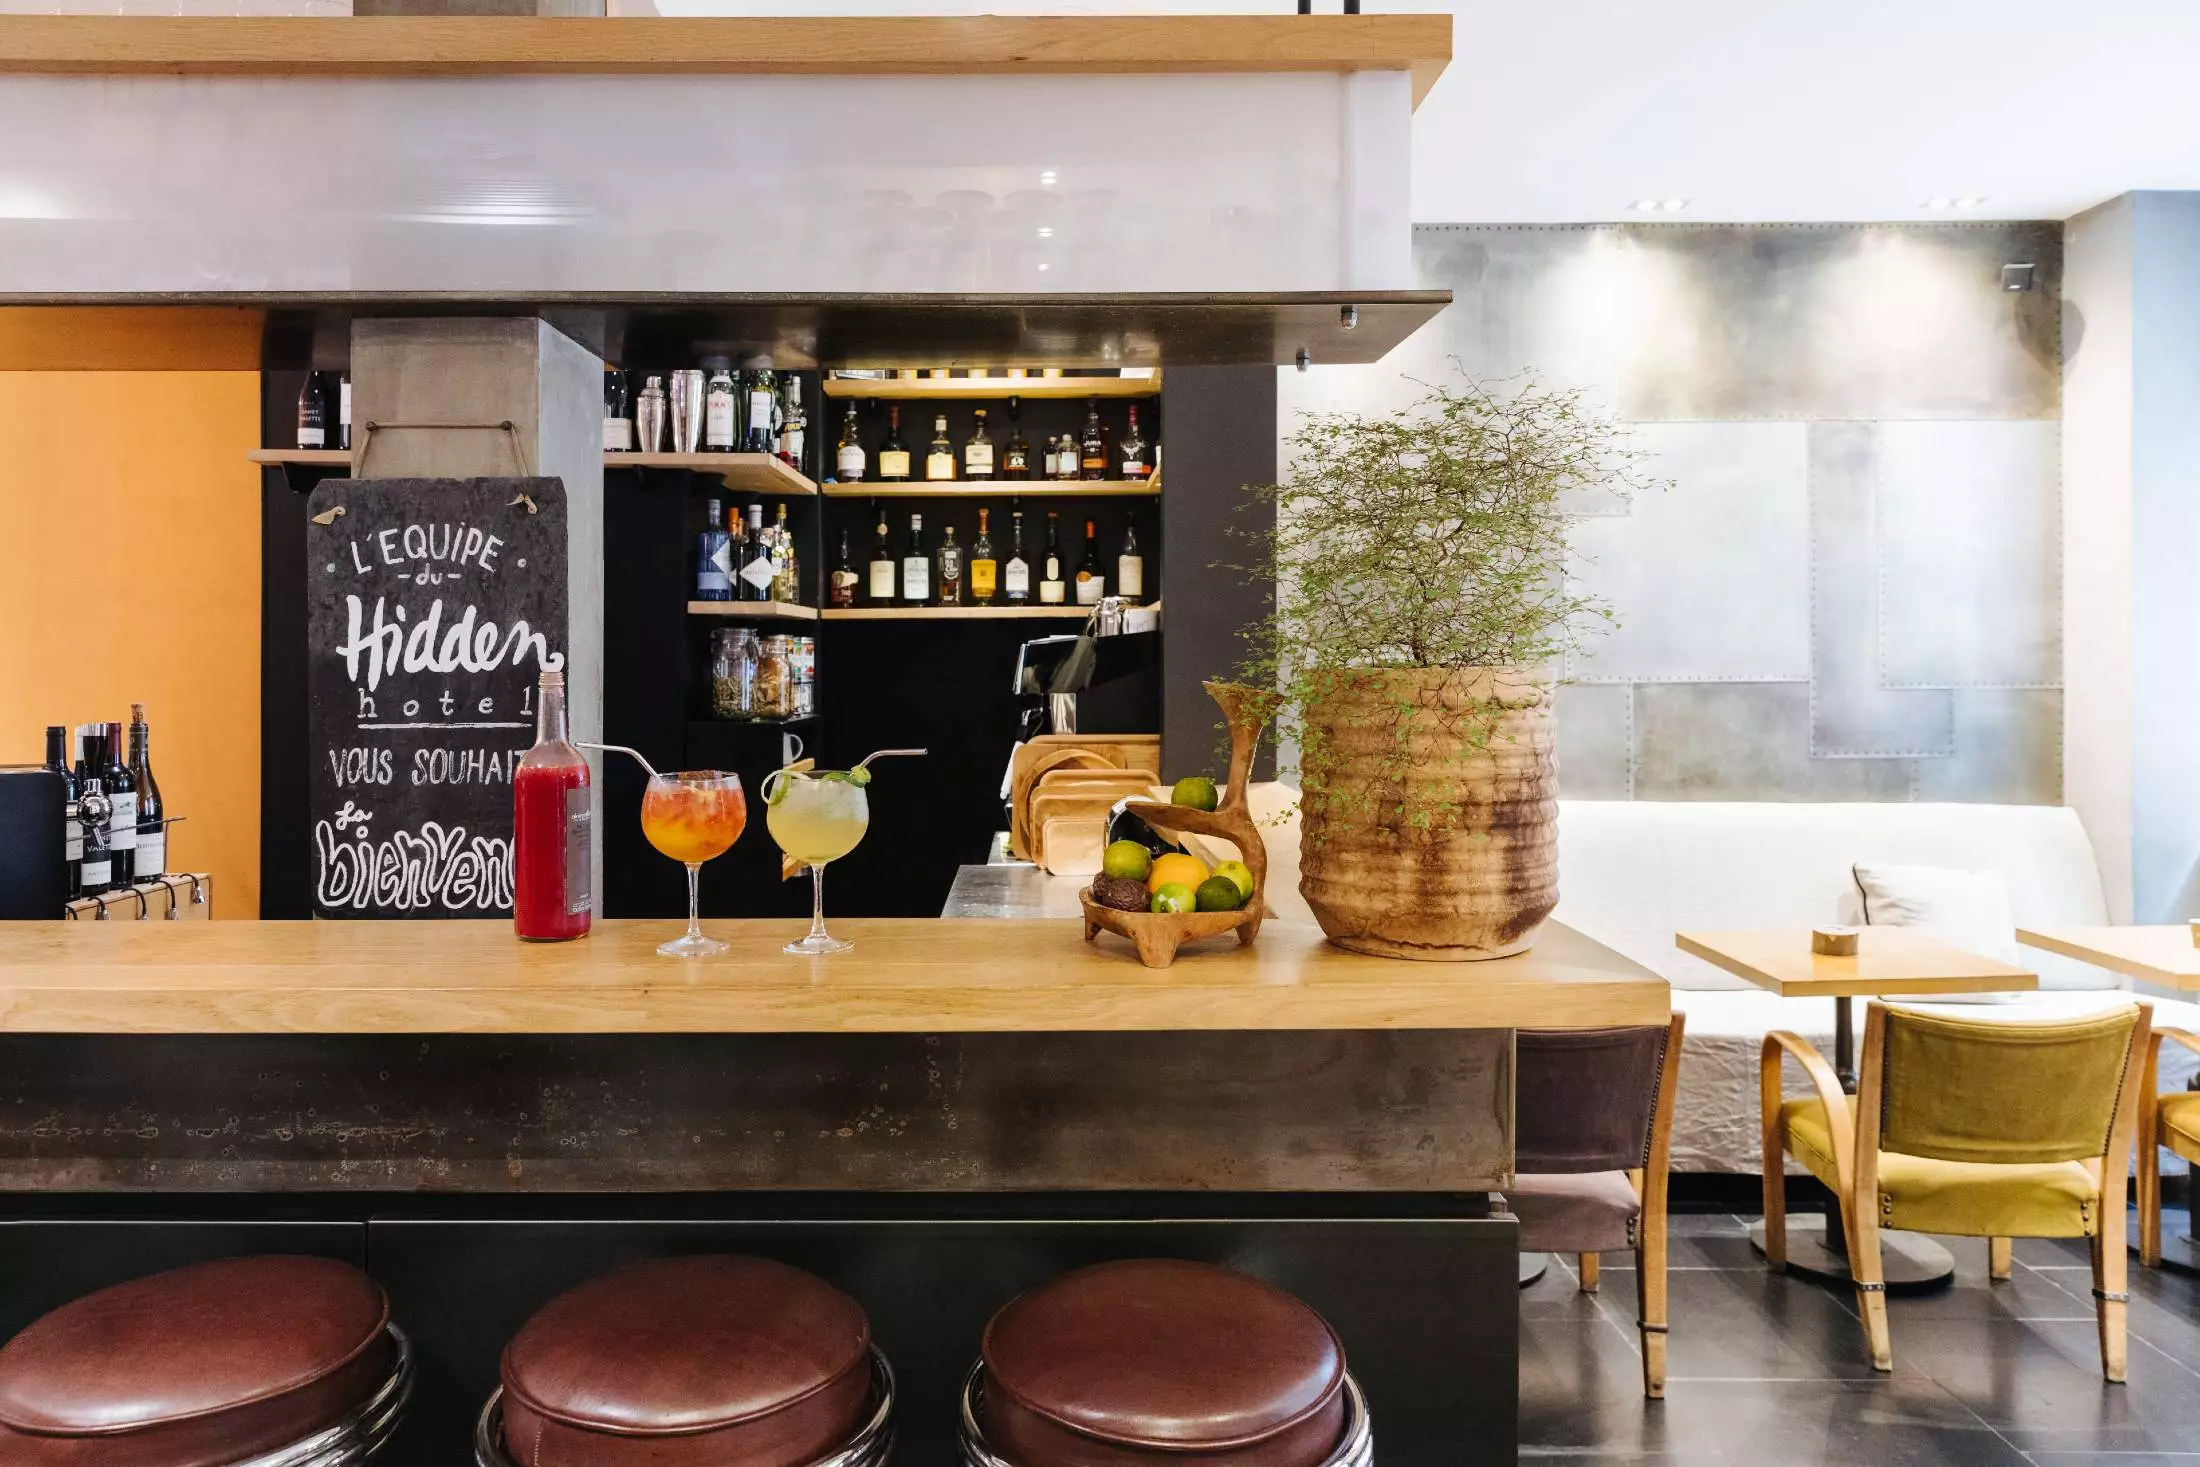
{"x":2171,"y":1120}
{"x":1985,"y":1129}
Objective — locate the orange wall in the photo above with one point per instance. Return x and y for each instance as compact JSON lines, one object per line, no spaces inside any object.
{"x":130,"y":572}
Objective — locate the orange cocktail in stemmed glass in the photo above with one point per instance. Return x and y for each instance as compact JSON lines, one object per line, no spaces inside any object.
{"x":693,"y":817}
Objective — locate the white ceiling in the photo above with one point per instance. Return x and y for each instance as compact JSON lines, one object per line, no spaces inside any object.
{"x":1567,"y":110}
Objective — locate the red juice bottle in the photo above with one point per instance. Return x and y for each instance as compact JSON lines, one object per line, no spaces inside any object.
{"x":551,"y":825}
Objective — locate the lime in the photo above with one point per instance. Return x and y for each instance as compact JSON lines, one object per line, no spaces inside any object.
{"x":1219,"y":894}
{"x":860,"y":776}
{"x":1175,"y":897}
{"x":1127,"y":859}
{"x":1196,"y":791}
{"x":1241,"y":874}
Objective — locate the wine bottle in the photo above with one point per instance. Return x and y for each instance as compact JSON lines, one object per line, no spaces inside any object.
{"x":1130,"y":567}
{"x":1052,"y":588}
{"x":848,"y":457}
{"x":714,"y":559}
{"x":72,"y":832}
{"x":916,"y":566}
{"x":1016,"y":453}
{"x":939,"y":462}
{"x":313,"y":413}
{"x":757,"y":570}
{"x":618,"y":427}
{"x":1090,"y":584}
{"x":1133,"y":465}
{"x":984,"y":569}
{"x":551,"y":815}
{"x":121,"y":792}
{"x":99,"y":866}
{"x":893,"y":454}
{"x":761,"y":421}
{"x":951,"y":570}
{"x":151,"y":859}
{"x":844,"y":575}
{"x":881,"y":588}
{"x":1092,"y":450}
{"x":719,"y":411}
{"x":343,"y":409}
{"x":1016,"y":575}
{"x":794,"y":420}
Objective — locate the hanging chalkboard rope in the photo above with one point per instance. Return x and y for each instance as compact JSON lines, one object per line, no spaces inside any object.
{"x":509,"y":429}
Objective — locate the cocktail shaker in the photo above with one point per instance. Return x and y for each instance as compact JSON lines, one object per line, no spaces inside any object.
{"x":687,"y":410}
{"x":649,"y":416}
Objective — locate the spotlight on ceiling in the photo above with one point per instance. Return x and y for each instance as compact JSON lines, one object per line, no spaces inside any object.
{"x":1942,"y":203}
{"x":1658,"y":206}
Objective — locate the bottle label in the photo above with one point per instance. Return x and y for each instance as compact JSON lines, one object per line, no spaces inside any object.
{"x":72,"y":833}
{"x":1134,"y":468}
{"x":343,"y":403}
{"x":790,"y":443}
{"x":882,"y":580}
{"x":951,"y":563}
{"x":99,"y":871}
{"x":122,"y":822}
{"x":1050,"y":592}
{"x":579,"y":821}
{"x":311,"y":437}
{"x":844,"y":587}
{"x":977,"y":459}
{"x":982,"y":579}
{"x":893,"y":463}
{"x":721,"y":558}
{"x":1088,"y":589}
{"x":1130,"y":575}
{"x":762,"y":409}
{"x":152,"y":854}
{"x":939,"y":466}
{"x":1017,"y":581}
{"x":1016,"y":461}
{"x":1095,"y":463}
{"x":759,"y":572}
{"x":618,"y":435}
{"x":916,"y":578}
{"x":850,"y":463}
{"x":718,"y":420}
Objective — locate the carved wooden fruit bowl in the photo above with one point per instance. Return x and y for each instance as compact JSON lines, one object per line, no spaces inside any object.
{"x":1159,"y":934}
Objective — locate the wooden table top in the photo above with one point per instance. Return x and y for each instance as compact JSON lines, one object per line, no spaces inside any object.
{"x":1889,"y":962}
{"x":904,"y":976}
{"x":2164,"y":956}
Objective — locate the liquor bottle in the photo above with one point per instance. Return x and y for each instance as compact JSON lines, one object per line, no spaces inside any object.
{"x":916,"y":566}
{"x":951,"y":570}
{"x":1090,"y":584}
{"x":152,"y":811}
{"x":787,"y":573}
{"x":551,"y":815}
{"x":343,"y":409}
{"x":618,"y":428}
{"x":978,"y":451}
{"x":1092,"y":449}
{"x":984,"y":569}
{"x":1130,"y":568}
{"x":761,"y":421}
{"x":313,"y":413}
{"x":121,"y":808}
{"x":893,"y":454}
{"x":794,"y":420}
{"x":72,"y":831}
{"x":1016,"y":575}
{"x":714,"y":559}
{"x":1052,"y":589}
{"x":720,"y":414}
{"x":848,"y":457}
{"x":844,"y":575}
{"x":881,"y":588}
{"x":757,"y":569}
{"x":1133,"y":465}
{"x":1016,"y":453}
{"x":1065,"y":465}
{"x":939,"y":462}
{"x":98,"y":868}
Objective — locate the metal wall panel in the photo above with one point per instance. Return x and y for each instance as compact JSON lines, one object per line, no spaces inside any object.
{"x":1596,"y":740}
{"x":2009,"y":749}
{"x":1745,"y":741}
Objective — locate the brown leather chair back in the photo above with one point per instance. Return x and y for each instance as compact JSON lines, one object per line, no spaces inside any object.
{"x":1585,"y":1100}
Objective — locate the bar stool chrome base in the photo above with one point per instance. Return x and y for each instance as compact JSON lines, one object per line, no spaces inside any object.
{"x":873,"y":1446}
{"x":360,"y":1435}
{"x":1356,"y":1450}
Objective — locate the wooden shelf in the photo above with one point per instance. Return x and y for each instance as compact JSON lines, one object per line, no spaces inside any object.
{"x":753,"y":610}
{"x":997,"y":489}
{"x":990,"y":389}
{"x":328,"y":458}
{"x":758,"y":473}
{"x":955,"y":613}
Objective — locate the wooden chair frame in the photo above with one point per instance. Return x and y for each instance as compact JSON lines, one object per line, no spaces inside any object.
{"x":2150,"y":1143}
{"x":1651,"y":1182}
{"x":1855,"y":1133}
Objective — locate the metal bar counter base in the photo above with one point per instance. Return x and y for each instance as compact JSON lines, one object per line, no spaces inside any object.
{"x":905,"y":976}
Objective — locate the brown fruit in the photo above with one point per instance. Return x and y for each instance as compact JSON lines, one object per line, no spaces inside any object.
{"x":1123,"y":893}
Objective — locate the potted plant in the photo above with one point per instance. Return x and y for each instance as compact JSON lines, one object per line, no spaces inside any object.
{"x":1423,"y":611}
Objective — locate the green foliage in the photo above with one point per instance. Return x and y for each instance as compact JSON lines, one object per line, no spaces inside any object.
{"x":1433,"y":536}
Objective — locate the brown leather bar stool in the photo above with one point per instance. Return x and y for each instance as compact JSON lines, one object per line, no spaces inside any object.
{"x":1155,"y":1361}
{"x":692,"y":1362}
{"x":248,"y":1362}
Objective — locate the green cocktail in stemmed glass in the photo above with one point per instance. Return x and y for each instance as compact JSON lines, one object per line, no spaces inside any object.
{"x":817,"y":816}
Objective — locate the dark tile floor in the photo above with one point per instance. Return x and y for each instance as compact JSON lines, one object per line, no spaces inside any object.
{"x":1768,"y":1371}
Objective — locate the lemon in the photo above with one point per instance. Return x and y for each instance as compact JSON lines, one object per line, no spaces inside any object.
{"x":1178,"y":869}
{"x":1219,"y":894}
{"x":1196,"y":791}
{"x":1174,"y":897}
{"x":1240,"y":874}
{"x":1127,"y":859}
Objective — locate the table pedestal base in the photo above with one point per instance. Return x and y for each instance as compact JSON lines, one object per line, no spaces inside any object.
{"x":2180,"y":1250}
{"x":1913,"y":1263}
{"x":1534,"y":1265}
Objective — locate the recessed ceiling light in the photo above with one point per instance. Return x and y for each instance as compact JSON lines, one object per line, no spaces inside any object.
{"x":1658,"y":206}
{"x":1674,"y":206}
{"x":1046,"y":179}
{"x":1938,"y":203}
{"x":1044,"y":265}
{"x":1969,"y":203}
{"x":1046,"y":231}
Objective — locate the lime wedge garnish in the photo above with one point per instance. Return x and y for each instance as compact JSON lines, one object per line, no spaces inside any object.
{"x":859,"y":776}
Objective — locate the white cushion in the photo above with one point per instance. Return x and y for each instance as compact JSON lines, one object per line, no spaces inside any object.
{"x":1969,"y":909}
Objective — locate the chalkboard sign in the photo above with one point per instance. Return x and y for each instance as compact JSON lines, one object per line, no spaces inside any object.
{"x":433,"y":605}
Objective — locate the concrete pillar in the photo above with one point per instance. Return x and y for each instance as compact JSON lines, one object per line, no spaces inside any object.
{"x":2131,"y":547}
{"x":488,"y":370}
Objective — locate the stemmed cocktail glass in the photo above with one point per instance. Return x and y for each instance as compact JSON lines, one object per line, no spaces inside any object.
{"x":693,"y":817}
{"x":818,"y":816}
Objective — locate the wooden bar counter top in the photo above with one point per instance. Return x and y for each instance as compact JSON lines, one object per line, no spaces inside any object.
{"x":904,"y":976}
